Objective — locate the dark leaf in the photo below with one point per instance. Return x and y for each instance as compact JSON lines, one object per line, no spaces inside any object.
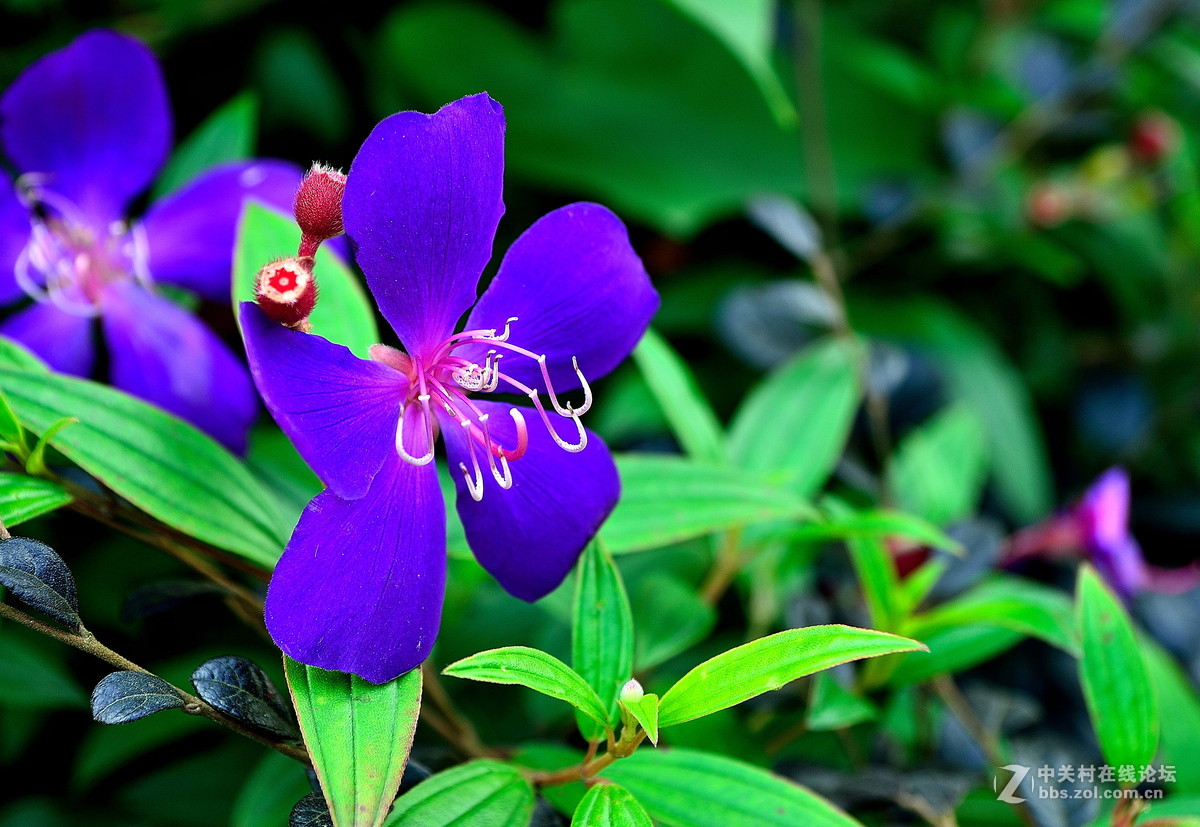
{"x":127,"y":696}
{"x":240,"y":689}
{"x":159,"y":597}
{"x":39,"y":578}
{"x":310,"y":811}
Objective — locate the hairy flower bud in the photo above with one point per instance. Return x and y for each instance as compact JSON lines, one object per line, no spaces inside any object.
{"x":631,"y":692}
{"x":287,"y":292}
{"x":318,"y":206}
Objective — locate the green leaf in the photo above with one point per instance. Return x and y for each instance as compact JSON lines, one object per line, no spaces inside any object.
{"x":16,"y":356}
{"x":951,"y":649}
{"x":668,"y":499}
{"x":1116,"y":684}
{"x":939,"y":469}
{"x":23,"y":498}
{"x":1007,"y":602}
{"x":767,"y":664}
{"x":358,"y":734}
{"x":270,"y":792}
{"x":690,"y":416}
{"x":686,"y":788}
{"x":343,"y":314}
{"x":608,"y":805}
{"x":833,"y":706}
{"x":747,"y":28}
{"x":645,"y":711}
{"x":671,"y":616}
{"x":601,"y":633}
{"x":874,"y":524}
{"x":161,"y":464}
{"x":11,"y":432}
{"x":536,"y":670}
{"x":477,"y":794}
{"x":228,"y":134}
{"x":36,"y":463}
{"x":32,"y":674}
{"x":795,"y":423}
{"x":1180,"y":705}
{"x":877,"y":576}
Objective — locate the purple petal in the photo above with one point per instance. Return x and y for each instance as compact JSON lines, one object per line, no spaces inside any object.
{"x":577,"y":288}
{"x":191,"y":233}
{"x":359,"y":588}
{"x":167,"y":356}
{"x":422,"y":202}
{"x":62,"y":340}
{"x":94,"y":118}
{"x":530,"y":536}
{"x":14,"y":235}
{"x":1122,"y":565}
{"x":1104,"y":510}
{"x":340,"y":411}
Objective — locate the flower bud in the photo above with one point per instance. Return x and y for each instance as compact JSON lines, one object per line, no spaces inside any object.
{"x":1153,"y":138}
{"x":287,"y":292}
{"x":631,"y":692}
{"x":1049,"y":205}
{"x":318,"y":205}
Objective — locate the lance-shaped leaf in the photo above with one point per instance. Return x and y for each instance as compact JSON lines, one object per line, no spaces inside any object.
{"x":35,"y":464}
{"x":686,"y":788}
{"x":674,"y":387}
{"x":358,"y":735}
{"x":240,"y":689}
{"x":523,"y":666}
{"x":39,"y":578}
{"x":667,"y":499}
{"x":478,"y":794}
{"x":645,"y":711}
{"x":11,"y":432}
{"x":158,"y":462}
{"x":227,"y":134}
{"x":609,"y":805}
{"x":767,"y":664}
{"x":22,"y":498}
{"x":127,"y":696}
{"x":1120,"y":698}
{"x":601,"y":633}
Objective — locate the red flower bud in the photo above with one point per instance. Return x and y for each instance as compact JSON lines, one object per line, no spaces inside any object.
{"x":318,"y":204}
{"x":287,"y":292}
{"x":1153,"y":138}
{"x":1049,"y":205}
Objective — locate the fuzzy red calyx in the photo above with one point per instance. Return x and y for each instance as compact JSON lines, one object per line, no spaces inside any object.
{"x":318,"y":203}
{"x":287,"y":291}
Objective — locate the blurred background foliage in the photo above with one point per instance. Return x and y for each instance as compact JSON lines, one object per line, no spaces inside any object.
{"x":1007,"y":188}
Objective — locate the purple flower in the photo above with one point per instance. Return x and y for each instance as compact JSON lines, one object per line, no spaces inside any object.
{"x":87,"y":128}
{"x":360,"y":586}
{"x":1102,"y":517}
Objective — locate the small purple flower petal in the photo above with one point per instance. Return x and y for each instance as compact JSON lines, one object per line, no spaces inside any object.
{"x":167,"y":356}
{"x":191,"y":233}
{"x":1122,"y":565}
{"x":578,"y":290}
{"x":340,"y":411}
{"x":360,"y":587}
{"x":530,"y":536}
{"x":93,"y":119}
{"x":14,"y":235}
{"x":62,"y":340}
{"x":1103,"y":516}
{"x":422,"y":203}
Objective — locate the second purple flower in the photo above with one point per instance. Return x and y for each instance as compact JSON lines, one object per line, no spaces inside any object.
{"x":360,"y":586}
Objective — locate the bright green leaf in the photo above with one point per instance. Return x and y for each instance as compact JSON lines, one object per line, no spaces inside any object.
{"x":668,"y":499}
{"x":228,"y":134}
{"x":686,"y":788}
{"x":767,"y":664}
{"x":36,"y":463}
{"x":833,"y":706}
{"x":645,"y":711}
{"x":794,"y":424}
{"x":692,"y":420}
{"x":536,"y":670}
{"x":876,"y":571}
{"x":609,"y":805}
{"x":478,"y":794}
{"x":601,"y":633}
{"x":951,"y":649}
{"x":874,"y":524}
{"x":1179,"y":705}
{"x":1116,"y":684}
{"x":161,"y":464}
{"x":358,"y":734}
{"x":343,"y":314}
{"x":11,"y":432}
{"x":23,"y":498}
{"x":939,"y":469}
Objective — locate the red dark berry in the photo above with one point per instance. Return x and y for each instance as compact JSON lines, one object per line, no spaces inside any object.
{"x":1153,"y":138}
{"x":287,"y":292}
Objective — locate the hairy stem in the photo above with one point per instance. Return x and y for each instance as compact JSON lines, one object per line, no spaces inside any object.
{"x":85,"y":641}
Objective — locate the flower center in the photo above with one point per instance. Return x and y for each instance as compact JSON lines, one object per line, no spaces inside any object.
{"x":444,"y":380}
{"x":68,"y":261}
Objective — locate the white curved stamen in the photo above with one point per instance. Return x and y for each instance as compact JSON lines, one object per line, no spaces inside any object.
{"x":474,"y":478}
{"x":404,"y":454}
{"x":137,"y":250}
{"x":503,"y":477}
{"x":562,"y":443}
